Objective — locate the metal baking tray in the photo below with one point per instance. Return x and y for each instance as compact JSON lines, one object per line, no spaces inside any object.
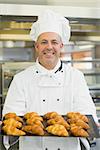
{"x":93,"y":130}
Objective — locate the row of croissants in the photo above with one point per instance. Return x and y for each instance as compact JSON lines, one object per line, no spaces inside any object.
{"x":52,"y":123}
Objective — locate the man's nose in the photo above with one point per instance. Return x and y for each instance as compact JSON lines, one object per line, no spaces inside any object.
{"x":49,"y":46}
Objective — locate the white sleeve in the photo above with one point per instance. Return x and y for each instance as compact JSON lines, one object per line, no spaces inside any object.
{"x":15,"y":99}
{"x":82,"y":99}
{"x":85,"y":143}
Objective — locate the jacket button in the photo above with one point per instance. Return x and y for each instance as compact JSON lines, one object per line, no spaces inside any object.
{"x":43,"y":100}
{"x":58,"y":99}
{"x":46,"y":148}
{"x":58,"y":149}
{"x":37,"y":72}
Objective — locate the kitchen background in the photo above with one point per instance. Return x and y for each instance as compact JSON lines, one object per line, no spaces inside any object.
{"x":83,"y":50}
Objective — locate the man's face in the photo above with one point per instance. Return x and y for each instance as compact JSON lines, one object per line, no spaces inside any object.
{"x":48,"y":47}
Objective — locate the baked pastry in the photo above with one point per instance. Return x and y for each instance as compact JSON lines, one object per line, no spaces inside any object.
{"x":33,"y":129}
{"x":60,"y":121}
{"x":10,"y":130}
{"x":35,"y":118}
{"x":12,"y":122}
{"x":34,"y":121}
{"x":13,"y":115}
{"x":31,"y":115}
{"x":57,"y":129}
{"x":77,"y":115}
{"x":10,"y":127}
{"x":78,"y":131}
{"x":50,"y":115}
{"x":79,"y":122}
{"x":82,"y":124}
{"x":10,"y":115}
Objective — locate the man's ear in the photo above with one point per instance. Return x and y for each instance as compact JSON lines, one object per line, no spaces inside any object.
{"x":62,"y":45}
{"x":36,"y":46}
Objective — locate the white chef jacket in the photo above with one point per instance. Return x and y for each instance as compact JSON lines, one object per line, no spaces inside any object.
{"x":62,"y":89}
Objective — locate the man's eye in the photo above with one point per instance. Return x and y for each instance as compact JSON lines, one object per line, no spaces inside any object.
{"x":43,"y":42}
{"x":55,"y":42}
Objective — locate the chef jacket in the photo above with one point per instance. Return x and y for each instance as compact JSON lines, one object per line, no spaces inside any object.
{"x":62,"y":89}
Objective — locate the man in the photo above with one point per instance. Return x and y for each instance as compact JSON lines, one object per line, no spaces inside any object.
{"x":49,"y":85}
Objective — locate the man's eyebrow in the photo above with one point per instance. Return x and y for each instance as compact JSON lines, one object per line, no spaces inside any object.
{"x":50,"y":40}
{"x":44,"y":40}
{"x":54,"y":40}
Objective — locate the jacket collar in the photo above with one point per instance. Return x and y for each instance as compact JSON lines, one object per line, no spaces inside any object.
{"x":43,"y":70}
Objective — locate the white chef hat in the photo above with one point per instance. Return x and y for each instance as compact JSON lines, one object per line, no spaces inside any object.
{"x":50,"y":21}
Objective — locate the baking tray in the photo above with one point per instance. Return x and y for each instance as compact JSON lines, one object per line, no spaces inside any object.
{"x":93,"y":130}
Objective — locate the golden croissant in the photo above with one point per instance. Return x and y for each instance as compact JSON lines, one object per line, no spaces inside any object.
{"x":13,"y":115}
{"x":82,"y":124}
{"x":71,"y":114}
{"x":30,"y":115}
{"x":10,"y":130}
{"x":84,"y":118}
{"x":12,"y":122}
{"x":57,"y":129}
{"x":79,"y":122}
{"x":33,"y":129}
{"x":10,"y":115}
{"x":78,"y":131}
{"x":60,"y":121}
{"x":33,"y":121}
{"x":77,"y":115}
{"x":50,"y":115}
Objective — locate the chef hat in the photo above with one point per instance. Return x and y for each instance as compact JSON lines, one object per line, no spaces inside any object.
{"x":50,"y":21}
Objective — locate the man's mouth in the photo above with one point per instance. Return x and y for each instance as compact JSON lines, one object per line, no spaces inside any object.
{"x":48,"y":53}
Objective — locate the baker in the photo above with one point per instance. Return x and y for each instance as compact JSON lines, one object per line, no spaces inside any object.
{"x":49,"y":85}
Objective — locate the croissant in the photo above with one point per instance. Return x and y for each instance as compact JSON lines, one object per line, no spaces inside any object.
{"x":10,"y":115}
{"x":19,"y":119}
{"x":13,"y":115}
{"x":82,"y":124}
{"x":27,"y":128}
{"x":33,"y":121}
{"x":72,"y":120}
{"x":84,"y":118}
{"x":57,"y":129}
{"x":37,"y":130}
{"x":79,"y":122}
{"x":70,"y":114}
{"x":50,"y":115}
{"x":78,"y":131}
{"x":10,"y":130}
{"x":33,"y":129}
{"x":30,"y":115}
{"x":12,"y":122}
{"x":56,"y":118}
{"x":77,"y":115}
{"x":60,"y":121}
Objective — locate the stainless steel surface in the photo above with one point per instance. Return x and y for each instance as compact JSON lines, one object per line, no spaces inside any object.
{"x":9,"y":70}
{"x":35,"y":10}
{"x":17,"y":28}
{"x":16,"y":20}
{"x":89,"y":3}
